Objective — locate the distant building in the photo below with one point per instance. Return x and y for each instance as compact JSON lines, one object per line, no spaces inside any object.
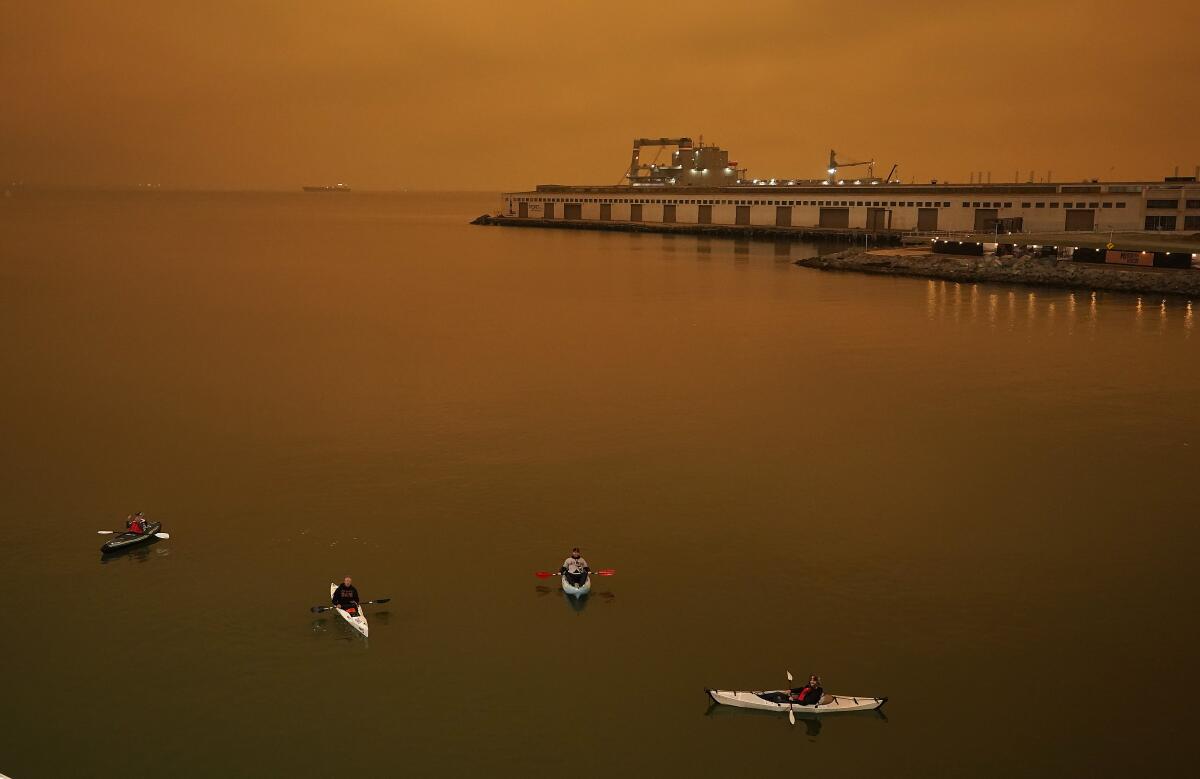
{"x":701,"y":186}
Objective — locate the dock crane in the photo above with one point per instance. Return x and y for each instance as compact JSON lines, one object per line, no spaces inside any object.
{"x":656,"y":174}
{"x":834,"y":165}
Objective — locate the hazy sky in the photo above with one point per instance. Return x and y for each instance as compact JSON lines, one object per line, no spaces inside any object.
{"x":503,"y":95}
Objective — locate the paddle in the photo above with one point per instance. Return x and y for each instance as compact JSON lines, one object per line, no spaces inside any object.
{"x":319,"y":609}
{"x":601,"y":572}
{"x":119,"y":532}
{"x":791,"y":709}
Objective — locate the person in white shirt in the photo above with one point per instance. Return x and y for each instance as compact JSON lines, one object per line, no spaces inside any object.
{"x":575,"y":568}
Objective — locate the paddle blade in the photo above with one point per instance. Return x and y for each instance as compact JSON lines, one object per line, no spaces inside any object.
{"x":106,"y":532}
{"x":380,"y":600}
{"x":791,"y":716}
{"x":789,"y":673}
{"x":544,"y":574}
{"x":162,"y":535}
{"x":605,"y":572}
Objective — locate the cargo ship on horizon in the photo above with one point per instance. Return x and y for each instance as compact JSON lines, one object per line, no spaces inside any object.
{"x":327,"y":188}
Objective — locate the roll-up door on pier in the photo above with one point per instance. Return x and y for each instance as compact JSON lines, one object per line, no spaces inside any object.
{"x":985,"y":219}
{"x":1081,"y":219}
{"x":927,"y":218}
{"x":835,"y":217}
{"x":743,"y":215}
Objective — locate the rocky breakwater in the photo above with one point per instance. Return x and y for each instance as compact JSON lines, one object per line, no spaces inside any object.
{"x":1042,"y":272}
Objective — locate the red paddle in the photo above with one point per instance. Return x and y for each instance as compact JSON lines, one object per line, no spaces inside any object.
{"x":601,"y":572}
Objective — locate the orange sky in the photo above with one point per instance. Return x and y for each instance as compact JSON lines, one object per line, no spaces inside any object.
{"x":503,"y":95}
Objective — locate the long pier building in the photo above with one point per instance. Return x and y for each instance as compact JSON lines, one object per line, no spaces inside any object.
{"x":699,"y":185}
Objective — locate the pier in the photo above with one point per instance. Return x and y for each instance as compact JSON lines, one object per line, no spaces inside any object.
{"x":764,"y":232}
{"x":1028,"y":270}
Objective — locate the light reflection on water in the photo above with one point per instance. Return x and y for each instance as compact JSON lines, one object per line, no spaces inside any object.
{"x":1046,"y":310}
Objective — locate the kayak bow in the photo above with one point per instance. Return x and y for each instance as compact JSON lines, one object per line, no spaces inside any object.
{"x":577,"y":591}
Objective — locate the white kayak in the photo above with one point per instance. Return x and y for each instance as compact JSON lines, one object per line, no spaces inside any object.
{"x":831,"y":704}
{"x":577,"y":591}
{"x":357,"y":621}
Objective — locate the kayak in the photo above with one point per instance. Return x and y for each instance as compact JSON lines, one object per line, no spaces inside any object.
{"x":577,"y":591}
{"x":357,"y":621}
{"x":745,"y":699}
{"x":126,"y":540}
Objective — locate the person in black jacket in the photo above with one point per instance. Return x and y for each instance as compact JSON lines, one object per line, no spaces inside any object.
{"x":811,"y":693}
{"x":345,"y":596}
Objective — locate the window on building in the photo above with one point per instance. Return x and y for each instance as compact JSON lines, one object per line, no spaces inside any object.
{"x":1160,"y":223}
{"x":1054,"y":205}
{"x":1081,"y":205}
{"x":1191,"y":223}
{"x":1026,"y":205}
{"x":945,"y":205}
{"x":1108,"y":205}
{"x":1162,"y":204}
{"x":1120,"y":205}
{"x":1193,"y":204}
{"x":1093,"y":205}
{"x":1008,"y":205}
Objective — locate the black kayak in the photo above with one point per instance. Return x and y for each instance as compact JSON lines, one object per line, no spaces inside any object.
{"x":126,"y":540}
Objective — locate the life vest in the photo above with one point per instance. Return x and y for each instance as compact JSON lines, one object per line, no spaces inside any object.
{"x":135,"y":526}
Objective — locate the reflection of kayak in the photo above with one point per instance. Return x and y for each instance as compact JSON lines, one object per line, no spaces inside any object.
{"x":126,"y":540}
{"x":745,"y":699}
{"x":577,"y":590}
{"x":357,"y":621}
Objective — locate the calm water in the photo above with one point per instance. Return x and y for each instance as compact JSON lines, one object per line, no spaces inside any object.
{"x":980,"y":501}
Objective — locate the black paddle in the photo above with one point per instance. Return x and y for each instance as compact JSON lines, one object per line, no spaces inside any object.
{"x":319,"y":609}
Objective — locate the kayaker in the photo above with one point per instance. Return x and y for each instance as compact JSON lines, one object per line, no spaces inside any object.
{"x":810,"y":694}
{"x":346,"y":596}
{"x":136,"y":523}
{"x":575,"y":568}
